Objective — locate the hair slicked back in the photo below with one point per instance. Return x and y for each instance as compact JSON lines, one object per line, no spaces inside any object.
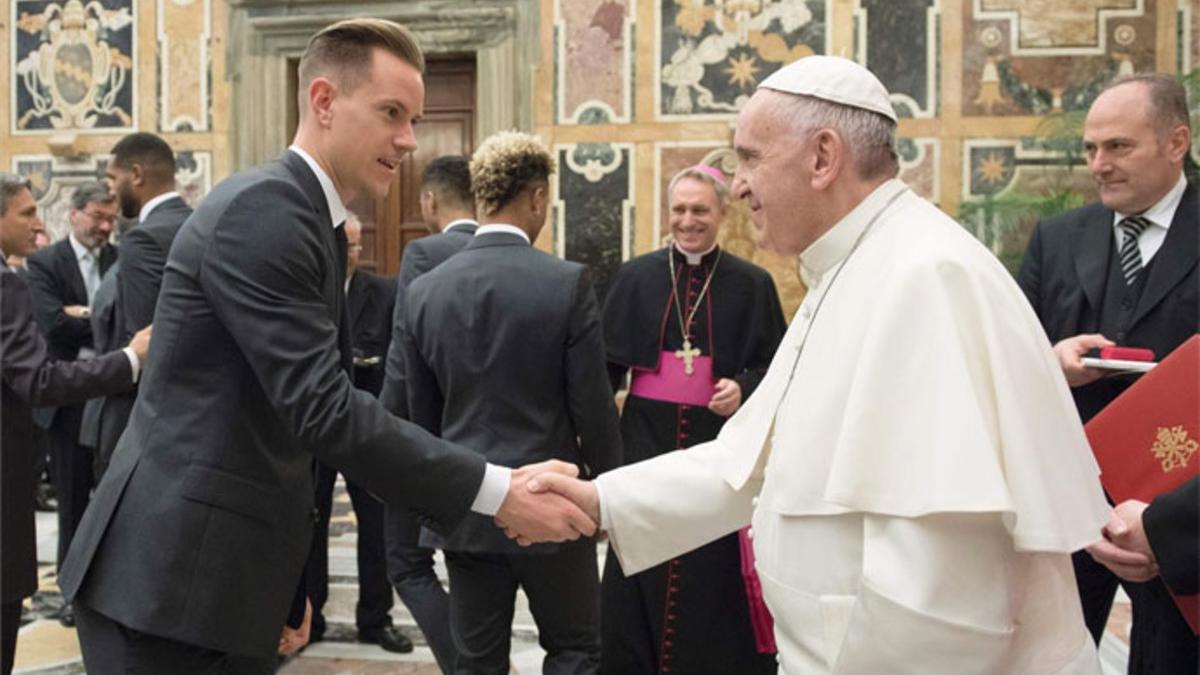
{"x":342,"y":52}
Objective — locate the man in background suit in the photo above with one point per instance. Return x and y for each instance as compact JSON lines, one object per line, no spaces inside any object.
{"x":504,"y":354}
{"x":369,"y":302}
{"x":191,"y":554}
{"x":31,"y":377}
{"x":63,"y":278}
{"x":1123,"y":271}
{"x":141,"y":174}
{"x":448,"y":209}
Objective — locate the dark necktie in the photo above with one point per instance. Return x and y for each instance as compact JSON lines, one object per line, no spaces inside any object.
{"x":343,"y":247}
{"x":1131,"y":257}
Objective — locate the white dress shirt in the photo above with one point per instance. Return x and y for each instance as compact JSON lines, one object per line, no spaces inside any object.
{"x":1160,"y":216}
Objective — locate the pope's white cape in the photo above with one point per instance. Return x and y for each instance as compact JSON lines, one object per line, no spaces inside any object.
{"x":926,"y":386}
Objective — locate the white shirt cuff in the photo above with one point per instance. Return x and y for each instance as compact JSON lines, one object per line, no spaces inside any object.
{"x":605,"y":520}
{"x":493,"y":490}
{"x":134,"y":363}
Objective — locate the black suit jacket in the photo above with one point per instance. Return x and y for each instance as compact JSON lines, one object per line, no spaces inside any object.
{"x":144,"y":252}
{"x":31,"y":378}
{"x":419,"y":257}
{"x":1064,"y":274}
{"x":55,"y":282}
{"x":504,"y":354}
{"x":107,"y":335}
{"x":1172,"y":524}
{"x":370,"y":299}
{"x":200,"y":528}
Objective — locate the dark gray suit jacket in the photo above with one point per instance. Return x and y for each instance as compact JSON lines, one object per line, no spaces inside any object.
{"x":1064,"y":273}
{"x":200,"y":528}
{"x":30,"y":378}
{"x":504,"y":354}
{"x":55,"y":282}
{"x":144,"y":252}
{"x":420,"y":256}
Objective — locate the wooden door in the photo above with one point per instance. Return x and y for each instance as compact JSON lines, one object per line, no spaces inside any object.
{"x":448,"y":128}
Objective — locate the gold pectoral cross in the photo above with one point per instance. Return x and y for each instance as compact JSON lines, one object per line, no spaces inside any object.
{"x":687,"y":354}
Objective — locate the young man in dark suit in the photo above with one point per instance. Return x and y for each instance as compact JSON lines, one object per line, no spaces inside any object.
{"x":369,"y":301}
{"x":141,"y":174}
{"x":63,"y":278}
{"x":30,"y":378}
{"x":448,"y":209}
{"x":191,"y":554}
{"x":504,"y":354}
{"x":1124,"y":271}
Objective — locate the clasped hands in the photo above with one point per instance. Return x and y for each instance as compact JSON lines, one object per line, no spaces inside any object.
{"x":1125,"y":550}
{"x":546,"y":502}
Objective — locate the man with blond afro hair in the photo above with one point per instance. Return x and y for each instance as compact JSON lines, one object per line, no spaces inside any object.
{"x":504,"y":354}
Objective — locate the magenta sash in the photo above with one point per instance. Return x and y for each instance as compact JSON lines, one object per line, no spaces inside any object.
{"x":671,"y":384}
{"x":760,"y":616}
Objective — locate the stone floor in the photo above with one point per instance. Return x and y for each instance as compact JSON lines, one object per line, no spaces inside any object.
{"x":44,"y":647}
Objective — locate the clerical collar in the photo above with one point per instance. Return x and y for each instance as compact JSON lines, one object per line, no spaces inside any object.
{"x":458,"y":223}
{"x":337,"y":210}
{"x":694,"y":259}
{"x":150,"y":205}
{"x":498,"y":228}
{"x":835,"y":245}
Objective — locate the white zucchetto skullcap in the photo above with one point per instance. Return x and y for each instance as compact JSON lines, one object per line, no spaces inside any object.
{"x":834,"y":79}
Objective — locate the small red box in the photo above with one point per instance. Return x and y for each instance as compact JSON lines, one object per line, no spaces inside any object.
{"x":1126,"y":354}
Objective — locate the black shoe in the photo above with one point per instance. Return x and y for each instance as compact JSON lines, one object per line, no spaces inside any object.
{"x":67,"y":616}
{"x":43,"y":498}
{"x":388,"y":637}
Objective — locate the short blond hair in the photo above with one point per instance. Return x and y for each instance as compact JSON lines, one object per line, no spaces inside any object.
{"x":504,"y":165}
{"x":342,"y":52}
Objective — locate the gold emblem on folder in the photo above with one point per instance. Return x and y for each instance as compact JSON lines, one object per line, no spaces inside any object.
{"x":1173,"y":448}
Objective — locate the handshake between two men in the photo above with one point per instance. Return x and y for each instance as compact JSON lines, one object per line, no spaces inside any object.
{"x":548,"y":503}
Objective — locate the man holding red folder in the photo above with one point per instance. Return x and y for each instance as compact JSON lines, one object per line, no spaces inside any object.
{"x":1123,"y":271}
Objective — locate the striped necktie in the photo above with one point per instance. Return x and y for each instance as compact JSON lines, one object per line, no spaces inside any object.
{"x":1131,"y":256}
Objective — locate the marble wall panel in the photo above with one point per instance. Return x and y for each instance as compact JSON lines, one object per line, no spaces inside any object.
{"x":898,"y":41}
{"x":72,"y":66}
{"x":1020,"y":58}
{"x":712,"y":53}
{"x":184,"y":65}
{"x":593,"y":212}
{"x":1008,"y":183}
{"x":593,"y":61}
{"x":920,"y":166}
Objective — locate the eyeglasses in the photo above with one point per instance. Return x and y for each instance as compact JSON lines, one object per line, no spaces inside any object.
{"x":102,"y":217}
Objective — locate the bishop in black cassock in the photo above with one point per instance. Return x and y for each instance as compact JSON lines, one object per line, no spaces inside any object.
{"x":691,"y":614}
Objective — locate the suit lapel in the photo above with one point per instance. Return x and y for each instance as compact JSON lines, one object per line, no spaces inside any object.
{"x":309,"y":185}
{"x":1176,"y":258}
{"x":68,"y":269}
{"x":108,"y":256}
{"x":1095,"y":238}
{"x":356,"y":297}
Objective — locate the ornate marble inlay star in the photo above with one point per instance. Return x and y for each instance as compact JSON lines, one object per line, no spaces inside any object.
{"x":742,"y":70}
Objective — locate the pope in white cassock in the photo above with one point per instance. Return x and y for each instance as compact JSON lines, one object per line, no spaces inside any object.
{"x":912,"y":465}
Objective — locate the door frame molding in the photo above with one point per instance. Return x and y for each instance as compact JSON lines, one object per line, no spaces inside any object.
{"x":264,"y":34}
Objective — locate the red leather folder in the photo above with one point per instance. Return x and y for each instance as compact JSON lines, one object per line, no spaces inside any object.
{"x":1147,"y":441}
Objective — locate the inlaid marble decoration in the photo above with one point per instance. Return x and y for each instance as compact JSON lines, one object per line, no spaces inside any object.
{"x":920,"y":166}
{"x":898,"y":40}
{"x":55,"y":179}
{"x":593,"y":210}
{"x":712,"y":53}
{"x":72,"y":66}
{"x":184,"y":34}
{"x":593,"y":61}
{"x":1035,"y":57}
{"x":1003,"y":177}
{"x":737,"y":232}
